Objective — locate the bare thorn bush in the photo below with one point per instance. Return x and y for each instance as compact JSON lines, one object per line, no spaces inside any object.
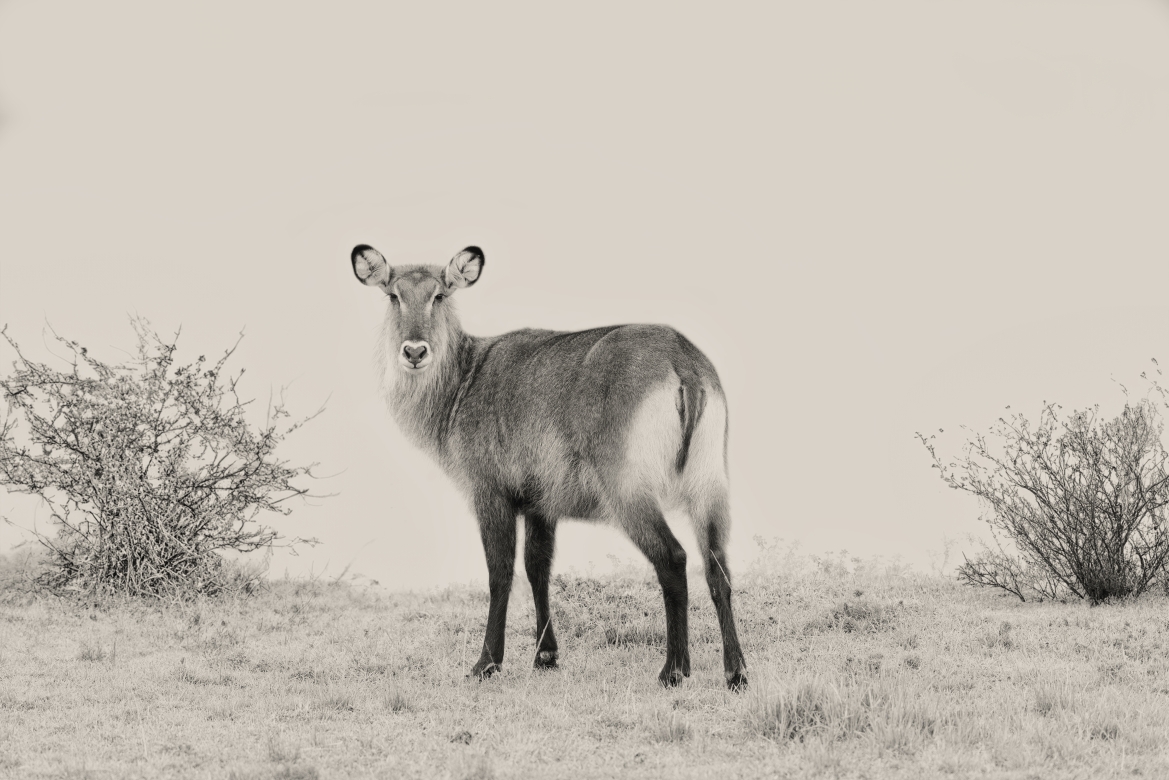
{"x":1080,"y":503}
{"x":151,"y":469}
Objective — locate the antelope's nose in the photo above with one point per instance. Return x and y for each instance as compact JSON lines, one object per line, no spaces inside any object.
{"x":415,"y":351}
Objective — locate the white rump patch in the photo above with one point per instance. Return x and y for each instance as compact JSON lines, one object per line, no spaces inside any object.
{"x":651,"y":447}
{"x":704,"y":479}
{"x":653,"y":442}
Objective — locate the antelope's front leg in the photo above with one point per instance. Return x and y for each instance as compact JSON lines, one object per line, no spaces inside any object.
{"x":539,"y":547}
{"x":497,"y":527}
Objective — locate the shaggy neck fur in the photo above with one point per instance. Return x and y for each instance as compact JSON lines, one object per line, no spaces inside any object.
{"x":423,"y":404}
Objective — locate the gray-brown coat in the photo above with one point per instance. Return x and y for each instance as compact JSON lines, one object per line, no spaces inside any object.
{"x":616,"y":423}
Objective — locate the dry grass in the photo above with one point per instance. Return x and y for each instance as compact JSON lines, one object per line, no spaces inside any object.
{"x":858,"y":670}
{"x":669,"y":728}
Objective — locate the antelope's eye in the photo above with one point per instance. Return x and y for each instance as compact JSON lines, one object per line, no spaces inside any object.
{"x":438,"y":297}
{"x":393,"y":298}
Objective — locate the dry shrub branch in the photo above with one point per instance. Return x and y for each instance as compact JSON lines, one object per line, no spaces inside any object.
{"x":1081,"y":501}
{"x":151,"y":469}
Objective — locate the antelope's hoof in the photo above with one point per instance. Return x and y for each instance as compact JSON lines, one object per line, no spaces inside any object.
{"x":482,"y":670}
{"x":737,"y":680}
{"x":671,"y":678}
{"x":546,"y":659}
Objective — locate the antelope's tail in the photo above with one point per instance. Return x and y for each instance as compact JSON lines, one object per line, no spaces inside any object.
{"x":691,"y":403}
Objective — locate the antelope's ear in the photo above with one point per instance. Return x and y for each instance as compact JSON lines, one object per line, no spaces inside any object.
{"x":369,"y":266}
{"x":464,"y":268}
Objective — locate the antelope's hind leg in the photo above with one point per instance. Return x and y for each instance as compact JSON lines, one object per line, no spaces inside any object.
{"x":497,"y":527}
{"x":539,"y":547}
{"x":642,"y":520}
{"x":711,"y":524}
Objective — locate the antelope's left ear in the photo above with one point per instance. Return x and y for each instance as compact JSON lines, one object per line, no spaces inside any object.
{"x":464,"y":268}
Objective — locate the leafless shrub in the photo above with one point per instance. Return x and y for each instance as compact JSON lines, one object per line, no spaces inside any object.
{"x":1082,"y":502}
{"x":151,"y":469}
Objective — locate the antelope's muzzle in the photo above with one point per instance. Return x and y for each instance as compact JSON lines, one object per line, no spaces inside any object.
{"x":415,"y":355}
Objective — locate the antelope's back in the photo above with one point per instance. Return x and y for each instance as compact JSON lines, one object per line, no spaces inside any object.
{"x":547,"y":416}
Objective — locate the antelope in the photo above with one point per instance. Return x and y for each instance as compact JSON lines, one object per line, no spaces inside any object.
{"x":612,"y":424}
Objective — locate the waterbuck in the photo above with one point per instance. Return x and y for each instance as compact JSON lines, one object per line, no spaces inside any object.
{"x":615,"y":424}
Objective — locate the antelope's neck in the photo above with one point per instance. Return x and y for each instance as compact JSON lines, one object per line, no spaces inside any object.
{"x":423,"y":405}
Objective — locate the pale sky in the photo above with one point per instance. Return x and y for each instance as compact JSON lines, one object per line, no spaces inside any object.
{"x":875,"y":218}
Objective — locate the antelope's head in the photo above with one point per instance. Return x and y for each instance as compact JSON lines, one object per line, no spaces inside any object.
{"x":420,"y":321}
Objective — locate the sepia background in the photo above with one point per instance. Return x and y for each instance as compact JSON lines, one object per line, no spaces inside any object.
{"x":875,"y":218}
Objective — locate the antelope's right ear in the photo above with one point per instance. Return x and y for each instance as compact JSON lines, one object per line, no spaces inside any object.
{"x":369,"y":266}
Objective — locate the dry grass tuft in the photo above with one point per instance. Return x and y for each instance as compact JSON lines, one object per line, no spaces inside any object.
{"x":862,"y":616}
{"x":1053,"y":696}
{"x":282,"y":750}
{"x":337,"y":702}
{"x":186,"y":674}
{"x":480,"y":769}
{"x":90,"y":652}
{"x":814,"y":708}
{"x":1104,"y":729}
{"x":637,"y":635}
{"x":395,"y":701}
{"x":670,"y":727}
{"x":1002,"y":638}
{"x":806,"y":708}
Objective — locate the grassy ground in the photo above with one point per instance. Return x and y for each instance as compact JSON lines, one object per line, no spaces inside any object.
{"x":857,"y":671}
